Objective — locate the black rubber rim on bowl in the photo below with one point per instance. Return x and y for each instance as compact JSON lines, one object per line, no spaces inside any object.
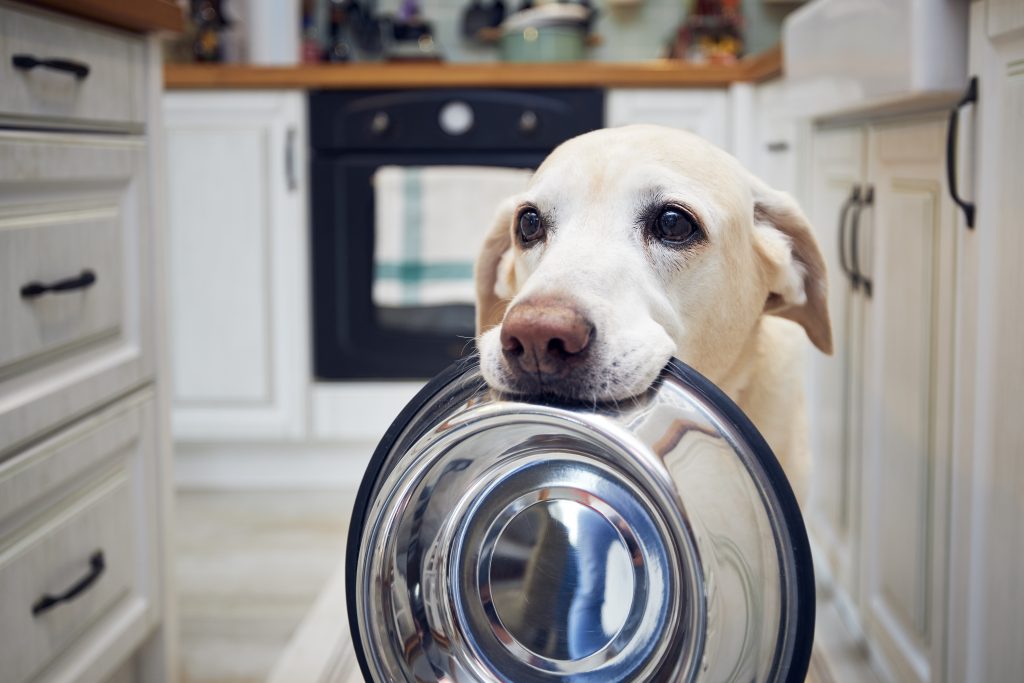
{"x":789,"y":510}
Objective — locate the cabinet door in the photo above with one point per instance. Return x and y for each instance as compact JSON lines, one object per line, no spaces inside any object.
{"x":910,"y":257}
{"x":987,"y":621}
{"x":837,"y":169}
{"x":238,"y":285}
{"x":704,"y":112}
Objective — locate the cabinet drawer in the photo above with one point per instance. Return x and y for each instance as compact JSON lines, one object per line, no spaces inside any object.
{"x":71,"y":216}
{"x":89,"y":546}
{"x":91,"y":488}
{"x":62,"y":281}
{"x":60,"y":463}
{"x":112,"y":92}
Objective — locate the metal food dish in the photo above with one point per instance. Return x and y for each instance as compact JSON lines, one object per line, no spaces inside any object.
{"x":654,"y":540}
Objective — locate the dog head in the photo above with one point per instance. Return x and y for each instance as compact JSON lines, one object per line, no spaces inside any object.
{"x":631,"y":245}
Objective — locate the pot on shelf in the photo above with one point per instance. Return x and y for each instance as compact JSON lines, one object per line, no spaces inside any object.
{"x":652,"y":540}
{"x":547,"y":33}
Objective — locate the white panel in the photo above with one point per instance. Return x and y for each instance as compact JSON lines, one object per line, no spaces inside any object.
{"x":53,"y":558}
{"x":358,"y":411}
{"x":886,"y":47}
{"x":92,"y":486}
{"x":904,"y":489}
{"x":219,"y":274}
{"x":69,"y":203}
{"x":705,"y":112}
{"x":908,"y":399}
{"x":50,"y":244}
{"x":111,"y":93}
{"x":238,"y":264}
{"x":837,"y":167}
{"x":989,"y":484}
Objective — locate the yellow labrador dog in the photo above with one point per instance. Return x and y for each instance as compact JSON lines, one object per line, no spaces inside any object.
{"x":635,"y":244}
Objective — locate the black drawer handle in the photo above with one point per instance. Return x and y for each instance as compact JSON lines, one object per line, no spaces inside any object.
{"x":47,"y":602}
{"x":850,"y":202}
{"x":28,"y":62}
{"x":866,"y":200}
{"x":35,"y":289}
{"x":970,"y":97}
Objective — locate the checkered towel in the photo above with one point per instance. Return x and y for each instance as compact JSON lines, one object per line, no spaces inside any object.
{"x":430,"y":224}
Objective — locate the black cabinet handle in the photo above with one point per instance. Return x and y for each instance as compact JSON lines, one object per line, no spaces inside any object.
{"x":970,"y":97}
{"x":28,"y":62}
{"x":97,"y":565}
{"x":851,"y":201}
{"x":866,"y":200}
{"x":82,"y":281}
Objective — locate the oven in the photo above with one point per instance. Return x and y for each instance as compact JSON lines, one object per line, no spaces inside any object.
{"x":404,"y":187}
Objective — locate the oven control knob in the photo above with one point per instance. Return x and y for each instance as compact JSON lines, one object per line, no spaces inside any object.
{"x":528,"y":121}
{"x":456,"y":118}
{"x":380,"y":123}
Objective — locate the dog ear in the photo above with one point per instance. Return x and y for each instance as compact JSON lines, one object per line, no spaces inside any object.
{"x":492,"y":270}
{"x":796,"y":273}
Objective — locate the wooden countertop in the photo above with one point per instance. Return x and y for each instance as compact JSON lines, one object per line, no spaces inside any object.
{"x":654,"y":74}
{"x":142,"y":16}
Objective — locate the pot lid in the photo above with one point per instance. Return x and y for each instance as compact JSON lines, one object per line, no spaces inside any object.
{"x":559,"y":14}
{"x":656,"y":539}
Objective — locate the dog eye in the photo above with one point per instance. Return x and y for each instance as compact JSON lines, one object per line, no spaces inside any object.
{"x":675,"y":226}
{"x":530,"y":228}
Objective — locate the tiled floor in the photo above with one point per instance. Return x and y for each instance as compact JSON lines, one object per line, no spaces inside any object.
{"x":249,"y":567}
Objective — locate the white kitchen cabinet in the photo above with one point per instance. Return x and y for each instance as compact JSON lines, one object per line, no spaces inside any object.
{"x":882,"y":406}
{"x":239,"y":286}
{"x":85,"y":496}
{"x":702,"y":111}
{"x":987,"y":556}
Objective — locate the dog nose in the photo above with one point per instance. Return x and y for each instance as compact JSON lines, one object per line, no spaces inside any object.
{"x":545,"y":336}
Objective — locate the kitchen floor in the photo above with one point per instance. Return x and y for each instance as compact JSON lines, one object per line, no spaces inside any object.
{"x":249,"y":567}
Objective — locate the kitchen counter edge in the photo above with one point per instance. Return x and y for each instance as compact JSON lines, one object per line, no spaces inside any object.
{"x":654,"y":74}
{"x":140,"y":16}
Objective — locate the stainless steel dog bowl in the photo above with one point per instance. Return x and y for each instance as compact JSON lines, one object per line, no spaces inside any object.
{"x":652,"y":540}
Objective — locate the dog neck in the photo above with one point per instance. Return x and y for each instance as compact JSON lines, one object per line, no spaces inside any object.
{"x":742,"y":374}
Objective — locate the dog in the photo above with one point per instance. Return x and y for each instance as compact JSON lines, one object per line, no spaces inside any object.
{"x":634,"y":244}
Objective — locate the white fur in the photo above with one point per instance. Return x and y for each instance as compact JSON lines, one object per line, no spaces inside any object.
{"x":647,"y":301}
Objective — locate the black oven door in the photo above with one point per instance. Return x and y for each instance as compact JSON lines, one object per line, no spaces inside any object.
{"x":354,"y":336}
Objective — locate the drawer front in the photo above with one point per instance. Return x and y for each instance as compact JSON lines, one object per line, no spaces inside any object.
{"x":60,"y":463}
{"x":74,"y":277}
{"x":111,"y":92}
{"x":88,"y":545}
{"x":89,"y":489}
{"x":62,"y":282}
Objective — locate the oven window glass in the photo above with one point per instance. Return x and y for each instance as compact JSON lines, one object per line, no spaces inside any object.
{"x":430,"y":222}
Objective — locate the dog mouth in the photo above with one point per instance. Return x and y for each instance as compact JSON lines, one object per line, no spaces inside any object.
{"x":540,"y":386}
{"x":585,"y":382}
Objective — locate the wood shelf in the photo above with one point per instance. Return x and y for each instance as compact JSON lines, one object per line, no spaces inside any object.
{"x":653,"y":74}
